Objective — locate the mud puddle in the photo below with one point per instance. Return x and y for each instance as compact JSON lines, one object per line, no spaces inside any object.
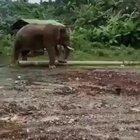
{"x":96,"y":104}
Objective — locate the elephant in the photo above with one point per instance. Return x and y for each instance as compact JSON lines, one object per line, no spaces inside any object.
{"x":34,"y":37}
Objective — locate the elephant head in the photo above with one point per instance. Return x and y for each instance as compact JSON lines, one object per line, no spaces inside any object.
{"x":64,"y":40}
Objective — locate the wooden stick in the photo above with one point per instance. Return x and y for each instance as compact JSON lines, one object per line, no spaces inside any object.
{"x":80,"y":63}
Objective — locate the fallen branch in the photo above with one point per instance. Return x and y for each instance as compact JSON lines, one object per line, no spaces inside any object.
{"x":81,"y":63}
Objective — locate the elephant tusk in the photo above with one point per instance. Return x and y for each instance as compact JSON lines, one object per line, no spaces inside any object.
{"x":70,"y":48}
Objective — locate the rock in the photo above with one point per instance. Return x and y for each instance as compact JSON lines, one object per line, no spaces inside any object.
{"x":50,"y":118}
{"x":19,"y":77}
{"x":71,"y":120}
{"x":14,"y":118}
{"x":1,"y":87}
{"x":16,"y":82}
{"x":77,"y":79}
{"x":27,"y":130}
{"x":137,"y":109}
{"x":5,"y":119}
{"x":118,"y":90}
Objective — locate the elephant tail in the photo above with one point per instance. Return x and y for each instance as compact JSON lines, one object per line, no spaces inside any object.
{"x":16,"y":51}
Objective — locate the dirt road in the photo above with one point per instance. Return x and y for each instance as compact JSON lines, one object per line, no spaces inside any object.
{"x":69,"y":104}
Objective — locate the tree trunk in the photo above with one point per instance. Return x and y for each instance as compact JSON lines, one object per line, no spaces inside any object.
{"x":81,"y":63}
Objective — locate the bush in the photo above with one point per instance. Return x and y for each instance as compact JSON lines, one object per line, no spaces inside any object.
{"x":98,"y":24}
{"x":6,"y":44}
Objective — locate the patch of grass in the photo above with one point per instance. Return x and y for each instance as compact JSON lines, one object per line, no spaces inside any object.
{"x":6,"y":44}
{"x":97,"y":54}
{"x":108,"y":54}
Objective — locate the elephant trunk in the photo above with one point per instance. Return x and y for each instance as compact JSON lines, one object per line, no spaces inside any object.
{"x":67,"y":52}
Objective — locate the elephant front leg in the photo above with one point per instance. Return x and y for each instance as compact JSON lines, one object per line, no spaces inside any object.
{"x":66,"y":53}
{"x":59,"y":53}
{"x":51,"y":54}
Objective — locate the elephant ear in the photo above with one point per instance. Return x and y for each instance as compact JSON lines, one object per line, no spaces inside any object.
{"x":62,"y":32}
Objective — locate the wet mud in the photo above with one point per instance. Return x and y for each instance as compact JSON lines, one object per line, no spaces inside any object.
{"x":69,"y":104}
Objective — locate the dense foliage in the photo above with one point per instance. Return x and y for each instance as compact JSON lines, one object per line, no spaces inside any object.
{"x":96,"y":22}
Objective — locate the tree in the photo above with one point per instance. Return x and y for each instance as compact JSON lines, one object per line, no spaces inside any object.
{"x":22,"y":0}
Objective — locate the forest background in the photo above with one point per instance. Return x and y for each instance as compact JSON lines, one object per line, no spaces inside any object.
{"x":103,"y":29}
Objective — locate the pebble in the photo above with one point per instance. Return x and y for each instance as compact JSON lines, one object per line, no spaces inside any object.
{"x":19,"y":77}
{"x":71,"y":121}
{"x":16,"y":82}
{"x":1,"y":87}
{"x":135,"y":109}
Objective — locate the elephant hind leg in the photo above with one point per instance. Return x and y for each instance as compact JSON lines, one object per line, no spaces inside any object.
{"x":58,"y":52}
{"x":24,"y":55}
{"x":16,"y":52}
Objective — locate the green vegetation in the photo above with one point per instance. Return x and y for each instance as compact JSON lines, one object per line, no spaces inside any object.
{"x":103,"y":29}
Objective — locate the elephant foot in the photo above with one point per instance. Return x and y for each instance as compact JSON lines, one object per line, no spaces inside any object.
{"x":52,"y":67}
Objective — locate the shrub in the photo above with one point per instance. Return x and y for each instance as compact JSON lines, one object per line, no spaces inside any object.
{"x":6,"y":44}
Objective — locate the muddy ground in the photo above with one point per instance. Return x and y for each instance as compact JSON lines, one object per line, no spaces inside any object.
{"x":69,"y":104}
